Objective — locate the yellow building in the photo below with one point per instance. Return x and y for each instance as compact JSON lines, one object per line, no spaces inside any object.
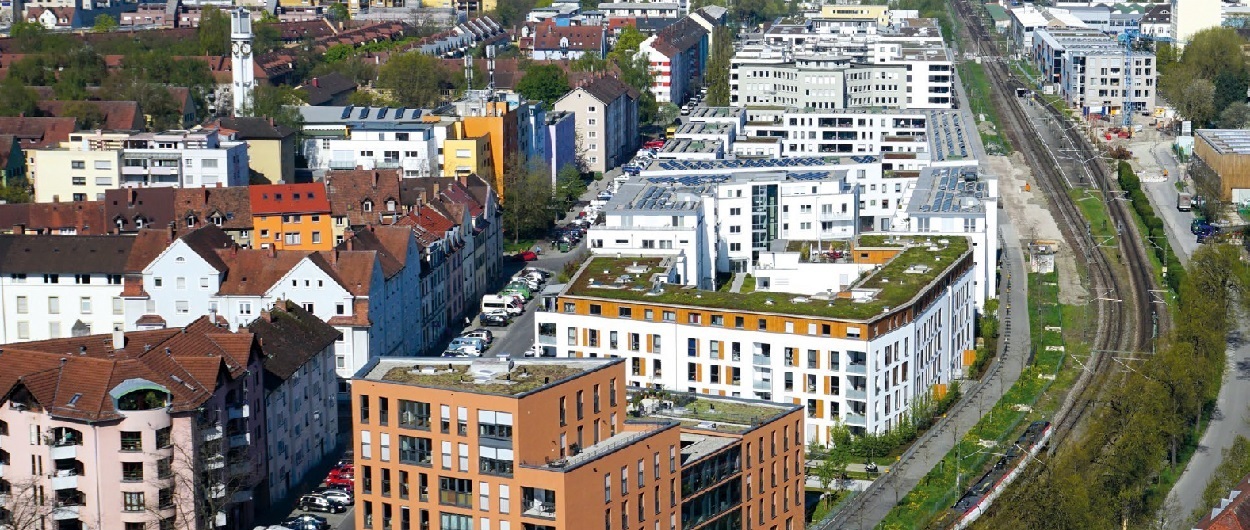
{"x":467,"y":156}
{"x":292,"y":216}
{"x":495,"y":123}
{"x":474,"y":7}
{"x":64,"y":174}
{"x":847,"y":12}
{"x":270,"y":146}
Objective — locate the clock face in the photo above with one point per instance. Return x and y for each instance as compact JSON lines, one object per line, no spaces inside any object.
{"x":247,"y":48}
{"x":236,"y":47}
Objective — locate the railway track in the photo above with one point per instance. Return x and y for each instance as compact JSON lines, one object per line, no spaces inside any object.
{"x":1125,"y":306}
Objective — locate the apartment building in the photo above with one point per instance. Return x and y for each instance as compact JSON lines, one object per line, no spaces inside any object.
{"x":855,"y":336}
{"x":54,"y":286}
{"x":673,"y":10}
{"x":1191,"y":17}
{"x":547,"y":444}
{"x":677,"y":56}
{"x":187,"y":159}
{"x":270,"y":146}
{"x":301,"y":409}
{"x":135,"y":429}
{"x":370,"y":138}
{"x":1092,"y":72}
{"x":607,"y":121}
{"x":292,"y":216}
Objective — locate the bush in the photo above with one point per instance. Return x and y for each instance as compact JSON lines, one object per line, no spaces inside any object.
{"x":1155,"y":230}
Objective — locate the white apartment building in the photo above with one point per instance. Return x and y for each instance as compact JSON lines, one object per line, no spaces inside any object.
{"x":1091,"y":71}
{"x":183,"y":159}
{"x":850,"y":348}
{"x":354,"y":137}
{"x":1191,"y":16}
{"x":61,"y":286}
{"x":73,"y":174}
{"x":673,"y":10}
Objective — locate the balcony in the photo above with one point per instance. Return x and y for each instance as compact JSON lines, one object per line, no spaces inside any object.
{"x":240,"y":440}
{"x":764,"y":385}
{"x":342,"y":164}
{"x":65,"y":512}
{"x":859,"y":395}
{"x":538,"y":502}
{"x":761,"y":360}
{"x":217,"y":491}
{"x":387,"y":164}
{"x":238,"y":412}
{"x":241,"y":496}
{"x":64,"y":482}
{"x":215,"y":462}
{"x":240,"y":469}
{"x":211,"y":433}
{"x":855,"y":420}
{"x":59,"y":452}
{"x":857,"y":368}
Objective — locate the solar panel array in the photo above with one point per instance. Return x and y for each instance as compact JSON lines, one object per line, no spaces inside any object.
{"x":950,"y":190}
{"x":661,"y":198}
{"x":762,"y":163}
{"x":692,"y":180}
{"x":946,"y":132}
{"x":1236,"y":141}
{"x":811,"y":175}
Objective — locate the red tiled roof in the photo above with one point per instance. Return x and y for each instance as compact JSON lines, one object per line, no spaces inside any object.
{"x":349,"y":190}
{"x":1234,"y":516}
{"x":73,"y":377}
{"x":38,"y":133}
{"x":85,"y":217}
{"x":231,"y":203}
{"x":254,"y":272}
{"x":547,"y":36}
{"x":118,"y":115}
{"x":289,"y":198}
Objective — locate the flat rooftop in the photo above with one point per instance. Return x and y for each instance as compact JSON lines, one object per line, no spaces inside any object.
{"x":681,"y":194}
{"x":894,"y":284}
{"x":951,"y":191}
{"x":706,"y":414}
{"x":715,"y":112}
{"x":686,"y":145}
{"x":705,"y":127}
{"x":780,"y":164}
{"x":1227,"y":141}
{"x":489,"y":375}
{"x":633,"y":433}
{"x":949,"y":136}
{"x":359,"y":115}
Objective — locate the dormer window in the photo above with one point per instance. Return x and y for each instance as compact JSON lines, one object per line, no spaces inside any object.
{"x":190,"y":221}
{"x":217,"y":220}
{"x":390,"y":205}
{"x":367,"y":206}
{"x":140,"y":221}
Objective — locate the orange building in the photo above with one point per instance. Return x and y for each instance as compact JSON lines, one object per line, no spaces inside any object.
{"x":499,"y":124}
{"x":292,"y":216}
{"x":546,"y":444}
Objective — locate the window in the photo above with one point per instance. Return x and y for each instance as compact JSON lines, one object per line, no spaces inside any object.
{"x":22,"y":306}
{"x":419,"y":451}
{"x":78,"y":164}
{"x":596,"y":309}
{"x":670,"y":316}
{"x":163,"y":438}
{"x":414,"y":415}
{"x":625,"y":312}
{"x":444,"y":419}
{"x":132,"y":471}
{"x":455,"y":492}
{"x":612,"y":392}
{"x":451,"y":521}
{"x":572,"y":336}
{"x":580,"y":403}
{"x":563,"y":410}
{"x":132,"y":441}
{"x":165,"y":498}
{"x":165,"y":467}
{"x":54,"y":305}
{"x":133,"y":501}
{"x":79,"y":181}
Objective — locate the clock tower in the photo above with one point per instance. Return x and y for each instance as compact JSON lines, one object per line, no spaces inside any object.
{"x":241,"y":61}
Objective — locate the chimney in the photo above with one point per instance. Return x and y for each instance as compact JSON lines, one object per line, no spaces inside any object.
{"x":334,"y":258}
{"x":273,"y":251}
{"x":170,"y":231}
{"x":119,"y":339}
{"x":206,"y":193}
{"x":19,"y":229}
{"x":316,"y":83}
{"x":132,"y":195}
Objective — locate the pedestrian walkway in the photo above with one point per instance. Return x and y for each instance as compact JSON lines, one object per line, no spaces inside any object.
{"x":736,"y":287}
{"x":870,"y":508}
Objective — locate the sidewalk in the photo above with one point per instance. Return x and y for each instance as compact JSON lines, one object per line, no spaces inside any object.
{"x":870,"y":508}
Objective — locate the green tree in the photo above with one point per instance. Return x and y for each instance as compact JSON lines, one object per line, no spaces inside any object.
{"x":1234,"y":116}
{"x":545,"y":83}
{"x":718,"y":67}
{"x":666,"y":113}
{"x":104,"y":24}
{"x":338,"y":52}
{"x":266,"y":36}
{"x":528,"y":205}
{"x":365,"y":98}
{"x":627,"y":43}
{"x":28,"y":37}
{"x":16,"y":99}
{"x":214,"y":31}
{"x":33,"y":70}
{"x":339,"y":11}
{"x":353,"y":68}
{"x":589,"y":62}
{"x":88,"y":114}
{"x":1197,"y":102}
{"x":278,"y":102}
{"x":569,"y":186}
{"x":415,"y":79}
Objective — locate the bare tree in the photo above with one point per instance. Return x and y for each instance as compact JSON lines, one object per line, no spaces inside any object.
{"x":202,"y":478}
{"x":27,"y":505}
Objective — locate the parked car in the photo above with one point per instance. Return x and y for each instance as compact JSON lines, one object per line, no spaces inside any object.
{"x":526,"y":255}
{"x":538,"y":271}
{"x":340,"y":496}
{"x":469,"y":345}
{"x":484,"y":334}
{"x":348,"y":458}
{"x":507,"y":304}
{"x":318,"y":503}
{"x":340,"y":480}
{"x":534,"y":351}
{"x":307,"y":521}
{"x":457,"y":354}
{"x":495,"y":320}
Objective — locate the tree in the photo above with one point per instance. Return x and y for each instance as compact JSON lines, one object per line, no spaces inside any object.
{"x":569,"y":186}
{"x":1230,"y":87}
{"x":831,"y":469}
{"x":528,"y":205}
{"x":415,"y":79}
{"x":29,"y":505}
{"x":666,"y":113}
{"x":16,"y":99}
{"x":214,"y":31}
{"x":88,"y":114}
{"x":589,"y":62}
{"x":104,"y":24}
{"x":365,"y":98}
{"x":33,"y":70}
{"x":154,"y":99}
{"x":1196,"y":101}
{"x":545,"y":83}
{"x":718,"y":67}
{"x":279,"y":102}
{"x":1235,"y":116}
{"x":338,"y":11}
{"x":338,"y":52}
{"x":28,"y":36}
{"x":627,"y":44}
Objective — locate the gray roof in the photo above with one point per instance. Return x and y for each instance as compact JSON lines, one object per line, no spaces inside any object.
{"x":353,"y":115}
{"x":64,"y":254}
{"x":949,"y":191}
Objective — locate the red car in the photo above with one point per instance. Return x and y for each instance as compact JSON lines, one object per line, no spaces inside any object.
{"x":654,"y":144}
{"x":527,"y":255}
{"x":341,"y":478}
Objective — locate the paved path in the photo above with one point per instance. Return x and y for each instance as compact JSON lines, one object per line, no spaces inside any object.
{"x":736,"y":286}
{"x":870,"y":508}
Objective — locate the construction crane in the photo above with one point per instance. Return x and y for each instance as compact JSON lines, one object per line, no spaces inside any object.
{"x":1127,"y":38}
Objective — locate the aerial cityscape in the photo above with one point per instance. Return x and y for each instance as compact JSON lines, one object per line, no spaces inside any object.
{"x":625,"y":265}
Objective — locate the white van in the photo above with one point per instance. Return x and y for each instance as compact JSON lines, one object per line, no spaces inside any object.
{"x":494,"y":303}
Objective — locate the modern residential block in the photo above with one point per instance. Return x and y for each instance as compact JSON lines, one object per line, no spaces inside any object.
{"x":607,"y":121}
{"x":556,"y":444}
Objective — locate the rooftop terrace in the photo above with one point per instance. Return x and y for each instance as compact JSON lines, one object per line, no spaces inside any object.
{"x":706,"y":413}
{"x":892,"y":285}
{"x":504,"y":377}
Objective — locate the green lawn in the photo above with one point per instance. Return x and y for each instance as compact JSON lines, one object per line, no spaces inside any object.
{"x":522,"y":245}
{"x":977,"y":84}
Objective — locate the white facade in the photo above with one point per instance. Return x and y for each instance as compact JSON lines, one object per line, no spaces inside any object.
{"x":414,"y":150}
{"x":244,"y":79}
{"x":865,"y":383}
{"x":302,"y":422}
{"x":39,"y":306}
{"x":1191,"y":16}
{"x":186,"y":159}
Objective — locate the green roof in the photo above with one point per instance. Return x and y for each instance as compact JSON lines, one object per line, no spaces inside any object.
{"x":896,"y":283}
{"x":997,"y":12}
